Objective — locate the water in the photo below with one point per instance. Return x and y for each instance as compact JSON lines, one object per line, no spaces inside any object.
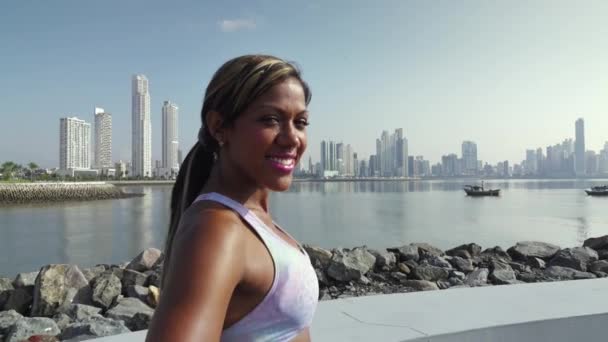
{"x":347,"y":214}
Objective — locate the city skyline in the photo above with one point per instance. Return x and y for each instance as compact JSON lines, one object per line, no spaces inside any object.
{"x":506,"y":77}
{"x":141,"y":127}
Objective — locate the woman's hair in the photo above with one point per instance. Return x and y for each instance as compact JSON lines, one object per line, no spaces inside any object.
{"x":234,"y":86}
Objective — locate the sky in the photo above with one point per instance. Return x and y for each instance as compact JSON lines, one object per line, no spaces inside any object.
{"x":508,"y":75}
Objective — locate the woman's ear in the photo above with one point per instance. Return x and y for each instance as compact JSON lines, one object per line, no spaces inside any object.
{"x":215,"y":122}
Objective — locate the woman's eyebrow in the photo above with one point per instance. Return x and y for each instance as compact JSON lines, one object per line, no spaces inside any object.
{"x":280,"y":110}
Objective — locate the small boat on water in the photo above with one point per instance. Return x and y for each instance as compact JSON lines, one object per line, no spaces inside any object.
{"x":598,"y":191}
{"x":476,"y":190}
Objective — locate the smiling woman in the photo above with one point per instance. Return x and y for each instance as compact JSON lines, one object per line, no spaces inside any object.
{"x":230,"y":272}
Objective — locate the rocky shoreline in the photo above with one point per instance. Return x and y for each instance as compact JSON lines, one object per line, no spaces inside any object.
{"x":23,"y":193}
{"x":65,"y":303}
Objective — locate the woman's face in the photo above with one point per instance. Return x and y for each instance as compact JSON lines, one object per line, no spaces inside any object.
{"x":269,"y":137}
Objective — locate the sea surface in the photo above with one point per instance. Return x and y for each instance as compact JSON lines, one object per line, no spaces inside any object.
{"x":327,"y":214}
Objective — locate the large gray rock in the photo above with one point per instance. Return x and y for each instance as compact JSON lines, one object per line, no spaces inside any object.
{"x":139,"y":292}
{"x":80,"y":311}
{"x":532,"y":249}
{"x":145,"y":260}
{"x":20,"y":300}
{"x":58,"y":286}
{"x":437,"y":261}
{"x":319,"y":257}
{"x":479,"y":277}
{"x":132,"y":277}
{"x":7,"y":320}
{"x":536,"y":263}
{"x":430,"y":273}
{"x":92,"y":272}
{"x":467,"y":251}
{"x":426,"y":250}
{"x":25,"y":279}
{"x":420,"y":285}
{"x":565,"y":273}
{"x":6,"y":289}
{"x":62,"y":320}
{"x":502,"y":274}
{"x":461,"y":264}
{"x":399,"y":276}
{"x":350,"y":265}
{"x":599,"y":266}
{"x":383,"y":258}
{"x":576,"y":258}
{"x":106,"y":288}
{"x":135,"y":313}
{"x":597,"y":243}
{"x":407,"y":252}
{"x":26,"y":327}
{"x":494,"y":253}
{"x":94,"y":327}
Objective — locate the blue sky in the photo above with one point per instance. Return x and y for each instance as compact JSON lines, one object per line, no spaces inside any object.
{"x":508,"y":75}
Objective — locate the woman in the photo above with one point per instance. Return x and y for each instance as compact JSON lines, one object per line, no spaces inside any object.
{"x":231,"y":273}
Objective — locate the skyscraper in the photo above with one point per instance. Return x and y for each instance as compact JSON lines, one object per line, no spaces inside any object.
{"x":103,"y":139}
{"x":579,"y":148}
{"x":324,"y":156}
{"x":469,"y":157}
{"x":170,"y":144}
{"x":141,"y":126}
{"x":74,"y":144}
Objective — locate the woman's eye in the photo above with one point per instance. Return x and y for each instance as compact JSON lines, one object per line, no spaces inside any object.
{"x":302,"y":123}
{"x":270,"y":120}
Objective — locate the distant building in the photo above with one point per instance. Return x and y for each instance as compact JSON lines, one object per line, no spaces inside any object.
{"x":591,"y":163}
{"x":141,"y":125}
{"x":170,"y":144}
{"x":579,"y":148}
{"x":103,"y":139}
{"x":121,"y":169}
{"x":74,"y":144}
{"x":469,"y":158}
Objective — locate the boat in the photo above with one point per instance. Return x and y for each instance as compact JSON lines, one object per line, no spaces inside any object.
{"x":598,"y":191}
{"x":476,"y":190}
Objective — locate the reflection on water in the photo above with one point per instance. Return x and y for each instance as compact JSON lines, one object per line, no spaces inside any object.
{"x":328,"y":214}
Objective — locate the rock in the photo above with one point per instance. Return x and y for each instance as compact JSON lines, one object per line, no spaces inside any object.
{"x":20,"y":300}
{"x":6,"y":289}
{"x":133,"y":311}
{"x":420,"y":285}
{"x":502,"y":274}
{"x":59,"y":286}
{"x":411,"y":264}
{"x":154,"y":296}
{"x":79,"y":311}
{"x":565,"y":273}
{"x":425,"y":250}
{"x":25,"y":279}
{"x":319,"y":257}
{"x":154,"y":279}
{"x":494,"y":253}
{"x":43,"y":338}
{"x":324,"y":295}
{"x":443,"y":284}
{"x":536,"y":263}
{"x":532,"y":249}
{"x":599,"y":266}
{"x":62,"y":320}
{"x":455,"y":282}
{"x":399,"y":276}
{"x":93,"y":272}
{"x":7,"y":320}
{"x":364,"y":280}
{"x":106,"y":287}
{"x":405,"y":253}
{"x":457,"y":274}
{"x":597,"y":243}
{"x":576,"y":258}
{"x":464,"y":265}
{"x":145,"y":260}
{"x":438,"y":262}
{"x":26,"y":327}
{"x":321,"y":277}
{"x":600,"y":274}
{"x":479,"y":277}
{"x":468,"y":251}
{"x":94,"y":327}
{"x":139,"y":292}
{"x":531,"y":277}
{"x":132,"y":277}
{"x":403,"y":268}
{"x":351,"y":265}
{"x":383,"y":258}
{"x":517,"y":267}
{"x":430,"y":273}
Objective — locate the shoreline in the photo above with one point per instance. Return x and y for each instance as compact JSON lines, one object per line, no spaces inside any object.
{"x":29,"y":193}
{"x":73,"y":303}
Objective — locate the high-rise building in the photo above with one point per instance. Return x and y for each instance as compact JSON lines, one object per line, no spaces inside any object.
{"x":591,"y":163}
{"x":531,"y":160}
{"x":141,"y":126}
{"x":603,"y":160}
{"x":324,"y":156}
{"x":74,"y":144}
{"x":579,"y":148}
{"x":103,"y":139}
{"x":469,"y":158}
{"x":170,"y":144}
{"x":332,"y":156}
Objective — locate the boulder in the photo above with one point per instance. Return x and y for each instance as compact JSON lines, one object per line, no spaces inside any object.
{"x":518,"y":267}
{"x":6,"y":289}
{"x":93,"y":272}
{"x":106,"y":287}
{"x":602,"y":254}
{"x":350,"y":265}
{"x":536,"y":263}
{"x":467,"y":251}
{"x":319,"y":257}
{"x":565,"y":273}
{"x":28,"y":326}
{"x":145,"y":260}
{"x":132,"y":277}
{"x":533,"y":249}
{"x":135,"y":313}
{"x":403,"y":268}
{"x":80,"y":311}
{"x":599,"y":266}
{"x":487,"y":256}
{"x":139,"y":292}
{"x":94,"y":327}
{"x":461,"y":264}
{"x":20,"y":300}
{"x":438,"y":261}
{"x":405,"y":253}
{"x":383,"y":258}
{"x":420,"y":285}
{"x":58,"y":286}
{"x":430,"y":273}
{"x":7,"y":320}
{"x":25,"y":279}
{"x":576,"y":258}
{"x":426,"y":250}
{"x":479,"y":277}
{"x":62,"y":320}
{"x":597,"y":243}
{"x":502,"y":274}
{"x":400,"y":277}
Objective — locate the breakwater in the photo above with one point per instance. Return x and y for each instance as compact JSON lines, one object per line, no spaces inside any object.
{"x":65,"y":302}
{"x":21,"y":193}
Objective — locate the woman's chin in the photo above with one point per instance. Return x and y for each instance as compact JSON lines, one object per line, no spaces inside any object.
{"x":280,"y":184}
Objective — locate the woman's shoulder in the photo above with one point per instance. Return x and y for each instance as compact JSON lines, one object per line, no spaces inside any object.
{"x":205,"y":218}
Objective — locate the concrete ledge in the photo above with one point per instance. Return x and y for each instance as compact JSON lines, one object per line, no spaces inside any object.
{"x":558,"y":312}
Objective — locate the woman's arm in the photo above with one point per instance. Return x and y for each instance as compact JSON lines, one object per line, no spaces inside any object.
{"x":206,"y":264}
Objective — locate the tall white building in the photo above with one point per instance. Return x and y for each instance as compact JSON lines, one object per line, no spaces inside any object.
{"x":141,"y":138}
{"x":579,"y":148}
{"x":103,"y":139}
{"x":469,"y":157}
{"x":74,"y":144}
{"x":170,"y":139}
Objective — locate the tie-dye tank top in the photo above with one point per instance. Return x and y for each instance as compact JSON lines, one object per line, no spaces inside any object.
{"x":289,"y":305}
